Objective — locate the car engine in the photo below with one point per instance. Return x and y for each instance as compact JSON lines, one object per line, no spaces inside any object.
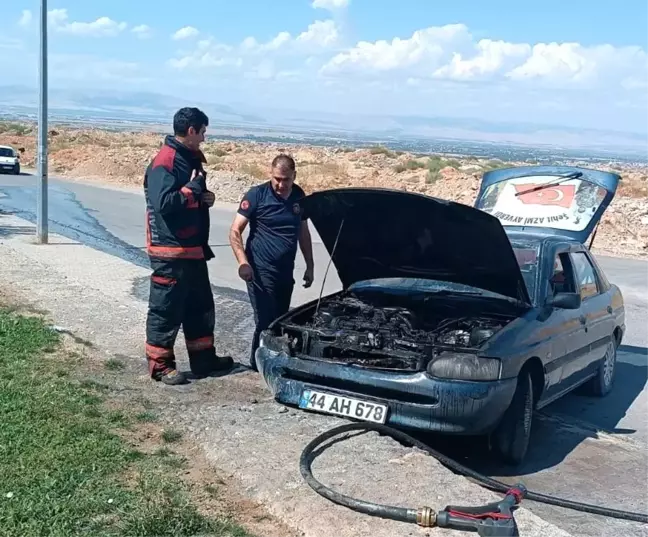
{"x":354,"y":331}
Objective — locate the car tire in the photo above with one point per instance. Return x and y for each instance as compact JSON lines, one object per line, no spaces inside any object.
{"x":510,"y":440}
{"x":16,"y":169}
{"x":603,"y":382}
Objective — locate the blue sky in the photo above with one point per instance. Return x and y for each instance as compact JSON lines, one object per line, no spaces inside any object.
{"x":576,"y":62}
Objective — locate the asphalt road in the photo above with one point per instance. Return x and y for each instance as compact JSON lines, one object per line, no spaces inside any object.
{"x":590,"y":450}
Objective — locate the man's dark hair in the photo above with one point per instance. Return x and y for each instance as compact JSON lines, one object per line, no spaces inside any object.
{"x":284,"y":161}
{"x":189,"y":117}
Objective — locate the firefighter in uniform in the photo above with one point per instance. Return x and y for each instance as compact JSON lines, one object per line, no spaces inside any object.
{"x":177,"y":235}
{"x":267,"y":262}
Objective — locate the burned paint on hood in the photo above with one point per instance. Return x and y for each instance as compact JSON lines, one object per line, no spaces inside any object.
{"x":382,"y":233}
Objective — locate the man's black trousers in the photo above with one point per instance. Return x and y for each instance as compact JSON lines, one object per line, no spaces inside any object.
{"x":269,"y":298}
{"x":180,"y":295}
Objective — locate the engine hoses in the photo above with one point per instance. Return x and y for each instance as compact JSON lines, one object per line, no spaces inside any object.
{"x":412,"y":515}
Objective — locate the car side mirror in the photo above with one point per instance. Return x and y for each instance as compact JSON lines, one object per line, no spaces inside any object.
{"x":565,"y":301}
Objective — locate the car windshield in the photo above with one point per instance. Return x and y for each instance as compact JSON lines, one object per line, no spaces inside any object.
{"x":527,"y":258}
{"x":6,"y":152}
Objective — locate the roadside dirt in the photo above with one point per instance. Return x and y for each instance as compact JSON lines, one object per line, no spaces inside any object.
{"x":212,"y":492}
{"x":253,"y":443}
{"x":233,"y":167}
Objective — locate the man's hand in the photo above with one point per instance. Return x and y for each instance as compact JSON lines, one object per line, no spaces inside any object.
{"x":309,"y":276}
{"x":245,"y":272}
{"x":208,"y":198}
{"x":198,"y":177}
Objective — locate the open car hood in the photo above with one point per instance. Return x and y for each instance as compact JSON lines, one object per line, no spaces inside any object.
{"x":385,"y":233}
{"x":559,"y":200}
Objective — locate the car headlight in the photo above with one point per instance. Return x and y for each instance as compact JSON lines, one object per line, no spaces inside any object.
{"x":463,"y":366}
{"x":273,"y":343}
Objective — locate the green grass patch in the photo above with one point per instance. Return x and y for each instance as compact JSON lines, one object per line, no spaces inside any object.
{"x":8,"y":127}
{"x":495,"y":164}
{"x":380,"y":150}
{"x":409,"y":165}
{"x":65,"y":470}
{"x":112,"y":364}
{"x":170,"y":436}
{"x":146,"y":417}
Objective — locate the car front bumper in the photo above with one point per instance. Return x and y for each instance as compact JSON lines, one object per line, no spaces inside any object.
{"x":415,"y":400}
{"x":7,"y":167}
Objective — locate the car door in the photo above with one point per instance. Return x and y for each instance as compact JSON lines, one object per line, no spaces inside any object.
{"x":567,"y":329}
{"x":595,"y":309}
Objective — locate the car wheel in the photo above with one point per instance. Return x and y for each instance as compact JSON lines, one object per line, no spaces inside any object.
{"x":510,"y":440}
{"x":17,"y":169}
{"x":602,"y":383}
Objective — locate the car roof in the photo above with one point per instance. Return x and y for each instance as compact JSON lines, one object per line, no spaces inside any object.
{"x":539,"y":238}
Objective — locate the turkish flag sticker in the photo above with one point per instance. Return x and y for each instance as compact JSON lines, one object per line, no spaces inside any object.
{"x":559,"y":196}
{"x":245,"y":205}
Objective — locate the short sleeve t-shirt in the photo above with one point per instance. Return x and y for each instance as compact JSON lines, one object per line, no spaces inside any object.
{"x":275,"y":224}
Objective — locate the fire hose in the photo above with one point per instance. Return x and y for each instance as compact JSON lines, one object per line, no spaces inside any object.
{"x":495,"y":519}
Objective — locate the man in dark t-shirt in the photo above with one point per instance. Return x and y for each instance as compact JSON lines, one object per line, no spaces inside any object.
{"x":277,"y":226}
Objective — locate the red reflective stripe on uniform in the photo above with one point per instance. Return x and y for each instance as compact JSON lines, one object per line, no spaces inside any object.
{"x":163,"y":280}
{"x":200,"y":344}
{"x":176,"y":252}
{"x":158,"y":352}
{"x":165,"y":158}
{"x":192,"y":202}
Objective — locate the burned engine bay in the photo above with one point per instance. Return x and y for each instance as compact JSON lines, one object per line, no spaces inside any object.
{"x":375,"y":330}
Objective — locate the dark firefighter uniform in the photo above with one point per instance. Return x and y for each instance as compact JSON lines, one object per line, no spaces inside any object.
{"x":271,"y":248}
{"x":177,"y":234}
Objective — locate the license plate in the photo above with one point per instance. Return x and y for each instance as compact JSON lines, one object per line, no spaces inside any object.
{"x":343,"y":406}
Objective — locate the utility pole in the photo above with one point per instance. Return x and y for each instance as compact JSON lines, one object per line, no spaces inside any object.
{"x":41,"y":213}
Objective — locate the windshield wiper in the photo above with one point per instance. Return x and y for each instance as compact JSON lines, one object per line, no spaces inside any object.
{"x":573,"y":175}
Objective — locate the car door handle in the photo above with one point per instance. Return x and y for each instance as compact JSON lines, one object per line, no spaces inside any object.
{"x":582,"y":319}
{"x":609,"y":309}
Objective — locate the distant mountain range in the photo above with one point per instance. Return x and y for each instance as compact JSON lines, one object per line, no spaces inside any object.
{"x":120,"y":105}
{"x":154,"y":108}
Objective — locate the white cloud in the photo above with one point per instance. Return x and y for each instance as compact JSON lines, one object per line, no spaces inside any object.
{"x":330,"y":5}
{"x":259,"y":59}
{"x":101,"y":27}
{"x":142,"y":31}
{"x":185,"y":33}
{"x":25,"y":18}
{"x":423,"y":49}
{"x":451,"y":53}
{"x":208,"y":54}
{"x":491,"y":57}
{"x":320,"y":34}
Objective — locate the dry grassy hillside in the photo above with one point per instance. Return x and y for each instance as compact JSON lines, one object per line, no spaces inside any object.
{"x":235,"y":166}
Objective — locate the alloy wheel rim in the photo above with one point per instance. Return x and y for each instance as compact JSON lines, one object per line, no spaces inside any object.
{"x":608,"y":364}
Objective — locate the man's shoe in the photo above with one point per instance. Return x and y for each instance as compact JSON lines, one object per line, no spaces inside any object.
{"x":216,"y":365}
{"x":173,"y":378}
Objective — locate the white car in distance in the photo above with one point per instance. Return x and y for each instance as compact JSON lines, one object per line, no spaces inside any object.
{"x":9,"y":160}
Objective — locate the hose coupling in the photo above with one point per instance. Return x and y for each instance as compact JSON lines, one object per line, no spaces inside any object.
{"x":426,"y":517}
